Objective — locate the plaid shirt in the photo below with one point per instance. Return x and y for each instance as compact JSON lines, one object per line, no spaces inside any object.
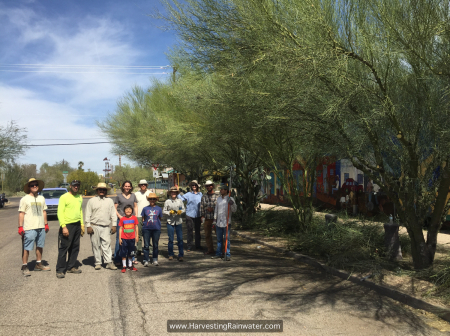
{"x":207,"y":202}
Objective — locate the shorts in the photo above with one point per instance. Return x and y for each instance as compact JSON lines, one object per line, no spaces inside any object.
{"x":31,"y":236}
{"x":127,"y":248}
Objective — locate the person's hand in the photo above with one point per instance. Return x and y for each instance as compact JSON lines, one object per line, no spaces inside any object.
{"x":46,"y":228}
{"x":82,"y":230}
{"x":230,"y":202}
{"x":120,"y":241}
{"x":90,"y":230}
{"x":113,"y":230}
{"x":21,"y":230}
{"x":172,"y":212}
{"x":179,"y":212}
{"x":136,"y":240}
{"x":214,"y":225}
{"x":203,"y":219}
{"x":65,"y":232}
{"x":209,"y":209}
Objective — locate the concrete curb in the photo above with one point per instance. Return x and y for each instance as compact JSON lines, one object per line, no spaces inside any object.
{"x":394,"y":294}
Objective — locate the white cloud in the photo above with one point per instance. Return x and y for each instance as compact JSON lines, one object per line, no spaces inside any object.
{"x":62,"y":105}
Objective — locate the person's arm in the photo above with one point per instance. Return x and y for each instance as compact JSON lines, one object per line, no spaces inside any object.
{"x":60,"y":212}
{"x":166,"y":210}
{"x":234,"y":205}
{"x":117,"y":212}
{"x":120,"y":232}
{"x":182,"y":197}
{"x":44,"y":212}
{"x":135,"y":206}
{"x":216,"y":212}
{"x":88,"y":214}
{"x":21,"y":218}
{"x":202,"y":208}
{"x":136,"y":230}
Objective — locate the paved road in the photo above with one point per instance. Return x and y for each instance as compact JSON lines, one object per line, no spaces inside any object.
{"x":256,"y":284}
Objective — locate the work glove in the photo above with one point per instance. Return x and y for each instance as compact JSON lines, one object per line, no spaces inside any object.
{"x":179,"y":212}
{"x":172,"y":212}
{"x":82,"y":230}
{"x":113,"y":230}
{"x":21,"y":230}
{"x":46,"y":228}
{"x":90,"y":230}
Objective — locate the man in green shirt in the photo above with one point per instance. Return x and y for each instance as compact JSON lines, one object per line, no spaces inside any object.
{"x":70,"y":216}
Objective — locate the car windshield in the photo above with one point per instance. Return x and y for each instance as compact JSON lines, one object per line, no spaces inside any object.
{"x":53,"y":193}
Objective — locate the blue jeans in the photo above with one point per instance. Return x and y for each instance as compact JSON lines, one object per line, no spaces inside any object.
{"x":154,"y":235}
{"x":170,"y":232}
{"x":220,"y":232}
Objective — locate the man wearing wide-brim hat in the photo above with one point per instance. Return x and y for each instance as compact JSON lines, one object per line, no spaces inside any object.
{"x":100,"y":221}
{"x":193,"y":218}
{"x":33,"y":224}
{"x":173,"y":209}
{"x":207,"y":207}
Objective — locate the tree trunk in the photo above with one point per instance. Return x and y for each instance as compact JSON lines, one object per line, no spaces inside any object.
{"x":421,"y":253}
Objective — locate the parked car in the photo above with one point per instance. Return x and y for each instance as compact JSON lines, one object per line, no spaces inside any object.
{"x":52,"y":196}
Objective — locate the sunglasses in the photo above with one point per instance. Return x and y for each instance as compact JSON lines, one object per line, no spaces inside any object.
{"x":104,"y":190}
{"x":34,"y":185}
{"x":152,"y":199}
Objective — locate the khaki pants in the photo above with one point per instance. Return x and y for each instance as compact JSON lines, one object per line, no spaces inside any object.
{"x":101,"y":244}
{"x":208,"y":235}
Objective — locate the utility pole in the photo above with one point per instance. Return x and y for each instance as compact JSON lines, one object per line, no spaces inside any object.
{"x":120,"y":160}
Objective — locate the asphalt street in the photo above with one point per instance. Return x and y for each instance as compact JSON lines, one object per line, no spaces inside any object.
{"x":256,"y":285}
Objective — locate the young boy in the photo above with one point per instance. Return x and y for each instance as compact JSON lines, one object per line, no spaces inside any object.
{"x":128,"y":237}
{"x":151,"y":228}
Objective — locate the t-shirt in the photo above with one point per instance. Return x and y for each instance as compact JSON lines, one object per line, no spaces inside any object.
{"x":142,"y":200}
{"x":69,"y":209}
{"x":151,"y":217}
{"x":123,"y":202}
{"x":34,"y":208}
{"x":128,"y":227}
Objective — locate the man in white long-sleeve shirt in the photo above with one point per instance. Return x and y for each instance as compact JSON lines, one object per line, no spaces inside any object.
{"x":224,"y":207}
{"x":100,"y":221}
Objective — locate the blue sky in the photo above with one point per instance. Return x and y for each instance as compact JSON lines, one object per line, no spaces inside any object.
{"x":75,"y":60}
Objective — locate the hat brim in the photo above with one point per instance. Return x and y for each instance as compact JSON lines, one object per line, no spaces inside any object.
{"x":27,"y":190}
{"x":193,"y":183}
{"x":107,"y":188}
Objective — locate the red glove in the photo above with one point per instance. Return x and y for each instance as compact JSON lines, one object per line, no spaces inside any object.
{"x":21,"y":230}
{"x":46,"y":228}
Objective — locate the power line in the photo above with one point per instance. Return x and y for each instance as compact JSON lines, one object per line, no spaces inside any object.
{"x":87,"y":65}
{"x":71,"y":144}
{"x":67,"y":139}
{"x":91,"y":72}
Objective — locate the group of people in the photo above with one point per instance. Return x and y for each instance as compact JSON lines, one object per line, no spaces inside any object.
{"x":139,"y":220}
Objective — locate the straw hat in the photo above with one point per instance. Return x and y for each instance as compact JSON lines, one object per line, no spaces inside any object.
{"x":143,"y":182}
{"x":209,"y":182}
{"x":26,"y":188}
{"x":152,"y":195}
{"x":173,"y":189}
{"x":224,"y":186}
{"x":194,"y":182}
{"x":102,"y":185}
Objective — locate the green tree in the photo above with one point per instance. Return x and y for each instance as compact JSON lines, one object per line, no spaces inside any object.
{"x":52,"y":174}
{"x":88,"y":180}
{"x":12,"y":141}
{"x":372,"y":75}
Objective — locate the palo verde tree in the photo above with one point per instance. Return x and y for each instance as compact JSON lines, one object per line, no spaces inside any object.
{"x":374,"y":72}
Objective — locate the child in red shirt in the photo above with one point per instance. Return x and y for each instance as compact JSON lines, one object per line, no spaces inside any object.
{"x":128,"y":236}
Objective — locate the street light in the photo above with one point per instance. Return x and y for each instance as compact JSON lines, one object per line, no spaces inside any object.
{"x":107,"y":169}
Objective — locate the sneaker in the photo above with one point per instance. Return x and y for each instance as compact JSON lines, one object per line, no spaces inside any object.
{"x":156,"y":263}
{"x":216,"y":257}
{"x":180,"y":258}
{"x":60,"y":275}
{"x":40,"y":267}
{"x":74,"y":270}
{"x":98,"y":267}
{"x":171,"y":258}
{"x":124,"y":270}
{"x":132,"y":268}
{"x":25,"y":271}
{"x":145,"y":263}
{"x":228,"y":258}
{"x":111,"y":266}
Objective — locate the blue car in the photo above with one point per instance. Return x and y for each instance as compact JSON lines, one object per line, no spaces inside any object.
{"x":52,"y":196}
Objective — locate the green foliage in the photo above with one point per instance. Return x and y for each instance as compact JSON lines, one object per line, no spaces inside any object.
{"x":12,"y":141}
{"x":52,"y":174}
{"x":130,"y":173}
{"x":87,"y":180}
